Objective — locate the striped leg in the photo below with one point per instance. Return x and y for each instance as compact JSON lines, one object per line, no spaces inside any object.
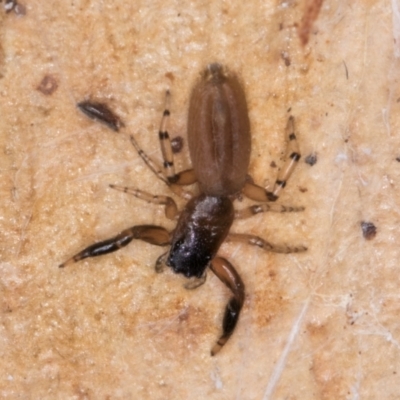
{"x":171,"y":209}
{"x":167,"y":174}
{"x":292,"y":157}
{"x":186,"y":177}
{"x":148,"y":233}
{"x":225,"y":271}
{"x":165,"y":142}
{"x":263,"y":244}
{"x":149,"y":162}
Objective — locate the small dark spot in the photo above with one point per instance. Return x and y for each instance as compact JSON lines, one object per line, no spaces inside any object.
{"x":303,"y":189}
{"x":295,"y":156}
{"x":173,"y":179}
{"x":398,"y":158}
{"x":273,"y":164}
{"x":170,"y":76}
{"x":311,"y":159}
{"x":368,"y":229}
{"x":177,"y":144}
{"x":163,"y":135}
{"x":289,"y":109}
{"x":280,"y":183}
{"x":398,"y":100}
{"x":48,"y":85}
{"x":271,"y":196}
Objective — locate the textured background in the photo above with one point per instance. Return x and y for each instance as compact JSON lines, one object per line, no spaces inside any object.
{"x":320,"y":325}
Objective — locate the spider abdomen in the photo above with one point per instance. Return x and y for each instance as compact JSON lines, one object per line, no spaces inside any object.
{"x":219,"y":132}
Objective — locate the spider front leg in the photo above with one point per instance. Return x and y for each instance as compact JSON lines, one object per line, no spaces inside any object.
{"x":152,"y":234}
{"x":225,"y":271}
{"x":193,"y":282}
{"x":186,"y":177}
{"x":292,"y":157}
{"x":167,"y":174}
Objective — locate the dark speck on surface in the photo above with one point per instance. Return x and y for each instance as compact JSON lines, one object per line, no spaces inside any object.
{"x":368,"y":229}
{"x":311,"y":159}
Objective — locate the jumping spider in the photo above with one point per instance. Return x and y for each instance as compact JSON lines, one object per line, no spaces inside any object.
{"x":219,"y":144}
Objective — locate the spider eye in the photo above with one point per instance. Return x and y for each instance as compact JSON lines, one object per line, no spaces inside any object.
{"x":177,"y":245}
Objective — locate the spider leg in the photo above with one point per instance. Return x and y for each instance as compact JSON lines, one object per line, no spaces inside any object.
{"x":148,"y":161}
{"x":292,"y":157}
{"x":148,"y":233}
{"x":100,"y":112}
{"x":263,"y":244}
{"x":265,"y":207}
{"x":160,"y":263}
{"x":195,"y":282}
{"x":186,"y":177}
{"x":167,"y":173}
{"x":257,"y":193}
{"x":171,"y":209}
{"x":225,"y":271}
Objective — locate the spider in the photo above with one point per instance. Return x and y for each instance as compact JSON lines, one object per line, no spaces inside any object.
{"x":219,"y":145}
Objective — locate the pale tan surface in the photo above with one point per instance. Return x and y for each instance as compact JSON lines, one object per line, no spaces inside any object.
{"x":321,"y":325}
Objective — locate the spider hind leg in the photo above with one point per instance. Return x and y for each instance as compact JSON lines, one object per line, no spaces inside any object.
{"x":148,"y":233}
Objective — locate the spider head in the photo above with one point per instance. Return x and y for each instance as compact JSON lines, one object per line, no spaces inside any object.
{"x":200,"y":231}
